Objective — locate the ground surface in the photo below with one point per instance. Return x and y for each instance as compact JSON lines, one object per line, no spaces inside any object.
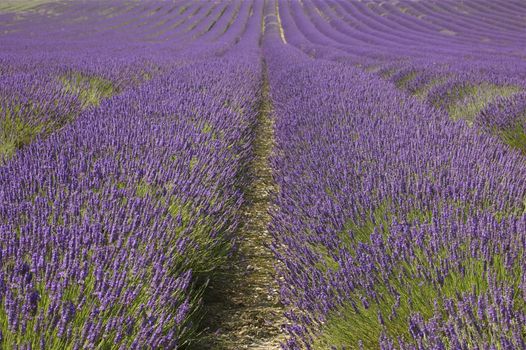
{"x":242,"y":303}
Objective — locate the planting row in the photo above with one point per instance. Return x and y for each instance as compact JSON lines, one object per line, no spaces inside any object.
{"x":441,"y":52}
{"x":43,"y":86}
{"x":118,"y":209}
{"x":397,"y":228}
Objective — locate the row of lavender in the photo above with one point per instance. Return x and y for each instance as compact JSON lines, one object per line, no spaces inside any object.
{"x":46,"y":83}
{"x":112,"y":223}
{"x":442,"y":52}
{"x":397,"y":228}
{"x":43,"y":86}
{"x":38,"y":97}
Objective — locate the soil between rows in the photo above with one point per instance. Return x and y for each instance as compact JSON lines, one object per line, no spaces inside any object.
{"x":241,"y":303}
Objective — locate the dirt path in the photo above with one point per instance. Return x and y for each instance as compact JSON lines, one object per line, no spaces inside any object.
{"x":242,"y":304}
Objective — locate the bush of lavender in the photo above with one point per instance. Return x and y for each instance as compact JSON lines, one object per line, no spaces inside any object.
{"x":113,"y":220}
{"x":396,"y":227}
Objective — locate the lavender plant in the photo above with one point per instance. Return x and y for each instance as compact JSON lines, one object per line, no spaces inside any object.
{"x":396,"y":227}
{"x":114,"y":220}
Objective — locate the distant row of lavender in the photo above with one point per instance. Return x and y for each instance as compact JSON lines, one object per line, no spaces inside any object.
{"x":458,"y":57}
{"x":84,"y":52}
{"x":396,"y":227}
{"x":112,"y":222}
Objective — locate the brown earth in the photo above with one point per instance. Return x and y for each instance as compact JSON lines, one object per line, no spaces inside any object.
{"x":242,"y":304}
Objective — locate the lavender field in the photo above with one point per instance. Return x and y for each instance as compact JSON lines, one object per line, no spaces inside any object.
{"x":263,"y":174}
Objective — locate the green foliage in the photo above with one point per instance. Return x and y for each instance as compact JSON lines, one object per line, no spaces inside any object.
{"x":207,"y":251}
{"x":406,"y":292}
{"x":386,"y":74}
{"x":15,"y":132}
{"x":356,"y":231}
{"x":18,"y":130}
{"x":90,"y":89}
{"x":423,"y":90}
{"x":202,"y":254}
{"x":514,"y":136}
{"x":19,"y":6}
{"x":75,"y":293}
{"x":207,"y":128}
{"x":402,"y":83}
{"x":467,"y":102}
{"x":326,"y":261}
{"x":193,"y":162}
{"x":371,"y":68}
{"x":143,"y":188}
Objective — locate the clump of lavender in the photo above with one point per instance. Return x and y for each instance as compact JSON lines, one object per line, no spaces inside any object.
{"x":506,"y":118}
{"x":112,"y":222}
{"x":397,"y":227}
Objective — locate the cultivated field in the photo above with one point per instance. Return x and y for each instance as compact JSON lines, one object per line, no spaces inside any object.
{"x":263,"y":174}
